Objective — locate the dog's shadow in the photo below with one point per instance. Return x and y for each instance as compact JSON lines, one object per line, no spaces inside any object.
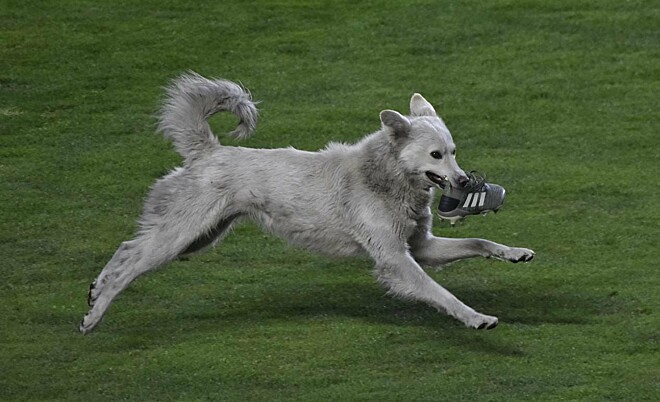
{"x":367,"y":301}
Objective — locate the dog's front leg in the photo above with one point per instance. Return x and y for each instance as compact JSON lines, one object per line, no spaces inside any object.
{"x":434,"y":251}
{"x":402,"y":276}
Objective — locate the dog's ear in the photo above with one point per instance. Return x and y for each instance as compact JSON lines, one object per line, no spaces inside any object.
{"x":398,"y":123}
{"x":421,"y":107}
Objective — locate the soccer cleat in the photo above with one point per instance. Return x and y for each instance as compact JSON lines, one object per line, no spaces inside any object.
{"x":476,"y":197}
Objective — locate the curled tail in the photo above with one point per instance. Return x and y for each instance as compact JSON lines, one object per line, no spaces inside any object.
{"x":191,"y":100}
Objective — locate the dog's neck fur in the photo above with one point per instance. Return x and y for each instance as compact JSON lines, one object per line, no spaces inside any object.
{"x":383,"y":173}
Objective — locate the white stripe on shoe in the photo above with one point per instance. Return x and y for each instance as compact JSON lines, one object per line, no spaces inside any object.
{"x":475,"y":199}
{"x":467,"y":200}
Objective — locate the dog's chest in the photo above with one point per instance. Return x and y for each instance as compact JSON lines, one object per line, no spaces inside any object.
{"x":408,"y":213}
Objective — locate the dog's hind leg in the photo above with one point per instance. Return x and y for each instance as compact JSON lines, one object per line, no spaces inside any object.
{"x":212,"y":236}
{"x":157,"y":244}
{"x":130,"y":250}
{"x":132,"y":259}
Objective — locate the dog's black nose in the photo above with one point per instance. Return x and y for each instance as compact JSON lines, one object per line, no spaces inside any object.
{"x":463,"y":180}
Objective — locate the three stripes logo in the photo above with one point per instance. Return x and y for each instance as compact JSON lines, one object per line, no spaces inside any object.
{"x":475,"y":200}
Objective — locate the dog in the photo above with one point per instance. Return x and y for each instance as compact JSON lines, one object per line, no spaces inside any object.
{"x":372,"y":197}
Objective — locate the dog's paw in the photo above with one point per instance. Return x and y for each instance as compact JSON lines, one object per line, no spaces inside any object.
{"x":482,"y":321}
{"x":516,"y":254}
{"x":89,"y":321}
{"x":85,"y":326}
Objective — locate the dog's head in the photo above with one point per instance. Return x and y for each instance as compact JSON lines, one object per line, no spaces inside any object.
{"x":426,"y":147}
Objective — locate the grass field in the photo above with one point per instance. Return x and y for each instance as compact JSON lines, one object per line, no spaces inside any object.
{"x":557,"y":101}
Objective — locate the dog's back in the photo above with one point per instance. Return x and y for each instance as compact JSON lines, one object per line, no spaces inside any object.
{"x":297,"y":195}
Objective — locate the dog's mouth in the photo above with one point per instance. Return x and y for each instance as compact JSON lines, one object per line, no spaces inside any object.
{"x":441,"y":181}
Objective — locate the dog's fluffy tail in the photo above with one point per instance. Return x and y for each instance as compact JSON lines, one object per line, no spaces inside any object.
{"x":191,"y":100}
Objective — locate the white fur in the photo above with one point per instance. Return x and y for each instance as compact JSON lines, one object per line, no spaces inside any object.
{"x":372,"y":197}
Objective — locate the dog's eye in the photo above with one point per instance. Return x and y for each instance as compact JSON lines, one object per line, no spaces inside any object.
{"x":453,"y":152}
{"x":436,"y":154}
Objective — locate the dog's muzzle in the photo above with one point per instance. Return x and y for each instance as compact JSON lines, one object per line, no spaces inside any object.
{"x":441,"y":181}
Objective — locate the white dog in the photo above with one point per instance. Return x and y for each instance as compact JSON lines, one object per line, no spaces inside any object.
{"x":372,"y":197}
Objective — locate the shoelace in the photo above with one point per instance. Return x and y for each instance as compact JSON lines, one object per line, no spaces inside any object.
{"x":476,"y":180}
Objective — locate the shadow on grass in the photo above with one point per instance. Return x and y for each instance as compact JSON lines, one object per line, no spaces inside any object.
{"x":364,"y":302}
{"x":369,"y":302}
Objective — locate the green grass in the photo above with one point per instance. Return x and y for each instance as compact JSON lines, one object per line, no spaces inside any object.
{"x":557,"y":101}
